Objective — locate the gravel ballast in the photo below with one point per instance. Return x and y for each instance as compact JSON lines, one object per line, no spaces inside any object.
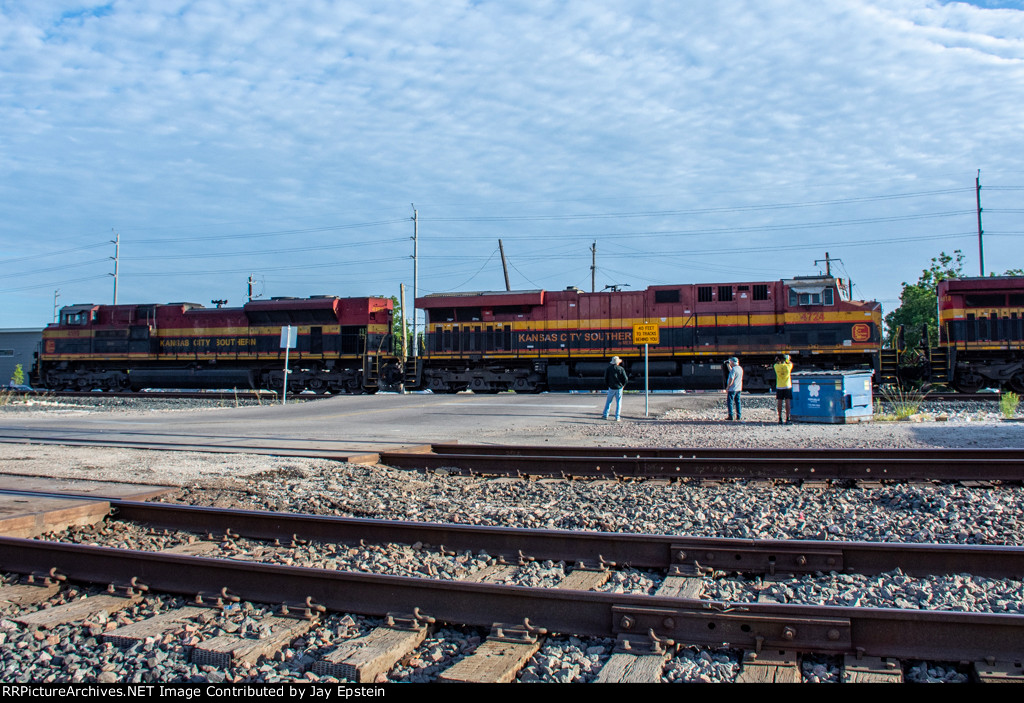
{"x":945,"y":513}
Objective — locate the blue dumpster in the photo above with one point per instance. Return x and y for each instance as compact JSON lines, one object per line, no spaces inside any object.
{"x":835,"y":397}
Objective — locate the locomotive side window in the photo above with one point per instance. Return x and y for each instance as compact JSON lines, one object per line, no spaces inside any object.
{"x":825,"y":297}
{"x":705,"y":294}
{"x":468,"y":314}
{"x":666,"y":296}
{"x":724,"y":294}
{"x":984,"y":300}
{"x":760,"y":292}
{"x":79,"y":318}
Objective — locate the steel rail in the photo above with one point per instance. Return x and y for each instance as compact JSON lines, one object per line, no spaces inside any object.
{"x":925,"y":453}
{"x":753,"y":626}
{"x":644,"y":551}
{"x":892,"y":465}
{"x":154,"y":395}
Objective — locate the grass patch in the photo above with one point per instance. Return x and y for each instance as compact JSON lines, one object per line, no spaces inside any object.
{"x":1008,"y":403}
{"x":903,"y":402}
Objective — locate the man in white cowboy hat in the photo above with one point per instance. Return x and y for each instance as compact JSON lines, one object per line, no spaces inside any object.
{"x":616,"y":378}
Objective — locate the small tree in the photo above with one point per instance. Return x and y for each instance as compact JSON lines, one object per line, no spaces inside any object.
{"x":18,"y":377}
{"x":396,"y":329}
{"x":918,"y":302}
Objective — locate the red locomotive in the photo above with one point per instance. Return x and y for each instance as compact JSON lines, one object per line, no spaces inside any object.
{"x":531,"y":341}
{"x":981,"y":333}
{"x":184,"y":345}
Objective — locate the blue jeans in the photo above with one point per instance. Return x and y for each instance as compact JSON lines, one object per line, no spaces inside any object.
{"x":616,"y":394}
{"x":731,"y":398}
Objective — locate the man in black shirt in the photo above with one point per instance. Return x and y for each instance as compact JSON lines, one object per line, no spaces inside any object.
{"x":616,"y":378}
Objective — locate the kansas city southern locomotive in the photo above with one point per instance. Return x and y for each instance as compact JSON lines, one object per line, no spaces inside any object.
{"x":531,"y":341}
{"x":534,"y":340}
{"x":184,"y":345}
{"x":981,"y":333}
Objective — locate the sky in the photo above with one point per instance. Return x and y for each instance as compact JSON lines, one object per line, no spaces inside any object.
{"x":671,"y":141}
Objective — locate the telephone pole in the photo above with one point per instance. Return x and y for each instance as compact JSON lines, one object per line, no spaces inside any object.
{"x":981,"y":248}
{"x":116,"y":241}
{"x":415,"y":277}
{"x":828,"y":263}
{"x":504,"y":266}
{"x":593,"y":268}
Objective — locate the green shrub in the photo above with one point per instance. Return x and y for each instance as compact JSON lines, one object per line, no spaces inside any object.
{"x":1008,"y":403}
{"x":903,"y":401}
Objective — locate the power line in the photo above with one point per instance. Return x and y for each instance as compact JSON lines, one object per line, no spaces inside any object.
{"x":275,"y":233}
{"x":290,"y":250}
{"x":4,"y":262}
{"x":700,"y":211}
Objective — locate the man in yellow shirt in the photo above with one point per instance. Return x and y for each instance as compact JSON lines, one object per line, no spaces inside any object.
{"x":783,"y":385}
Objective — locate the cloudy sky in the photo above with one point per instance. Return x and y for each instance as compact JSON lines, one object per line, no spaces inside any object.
{"x":692,"y":141}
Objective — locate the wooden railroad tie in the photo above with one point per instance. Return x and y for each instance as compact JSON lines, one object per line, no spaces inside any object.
{"x":364,"y":659}
{"x":82,"y":609}
{"x":155,"y":626}
{"x":636,"y":660}
{"x":993,"y":671}
{"x":770,"y":667}
{"x":28,"y":593}
{"x":227,"y":650}
{"x":871,"y":670}
{"x":499,"y":658}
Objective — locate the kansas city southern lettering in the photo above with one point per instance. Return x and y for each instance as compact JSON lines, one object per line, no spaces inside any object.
{"x":219,"y":343}
{"x":573,"y":337}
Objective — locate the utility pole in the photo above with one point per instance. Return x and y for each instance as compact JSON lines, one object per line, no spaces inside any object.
{"x":250,"y":289}
{"x":405,"y":332}
{"x":981,"y":248}
{"x":116,"y":241}
{"x":828,"y":263}
{"x":504,"y":266}
{"x":593,"y":267}
{"x":415,"y":277}
{"x":56,"y":294}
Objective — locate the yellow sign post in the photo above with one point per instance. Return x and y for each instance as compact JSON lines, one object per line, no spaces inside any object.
{"x":646,"y":333}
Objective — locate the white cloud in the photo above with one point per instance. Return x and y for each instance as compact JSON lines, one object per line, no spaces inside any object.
{"x":151,"y":117}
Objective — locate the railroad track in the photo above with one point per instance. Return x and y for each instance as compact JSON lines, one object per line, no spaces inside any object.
{"x":519,"y":617}
{"x":268,"y":396}
{"x":947,"y":464}
{"x":596,"y":549}
{"x":713,"y":463}
{"x":272,"y":395}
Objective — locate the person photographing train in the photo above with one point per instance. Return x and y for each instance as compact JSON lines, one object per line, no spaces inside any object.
{"x":783,"y":385}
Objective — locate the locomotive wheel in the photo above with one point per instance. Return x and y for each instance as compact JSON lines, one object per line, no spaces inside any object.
{"x":1017,"y":383}
{"x":967,"y":383}
{"x":353,"y":386}
{"x":317,"y":385}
